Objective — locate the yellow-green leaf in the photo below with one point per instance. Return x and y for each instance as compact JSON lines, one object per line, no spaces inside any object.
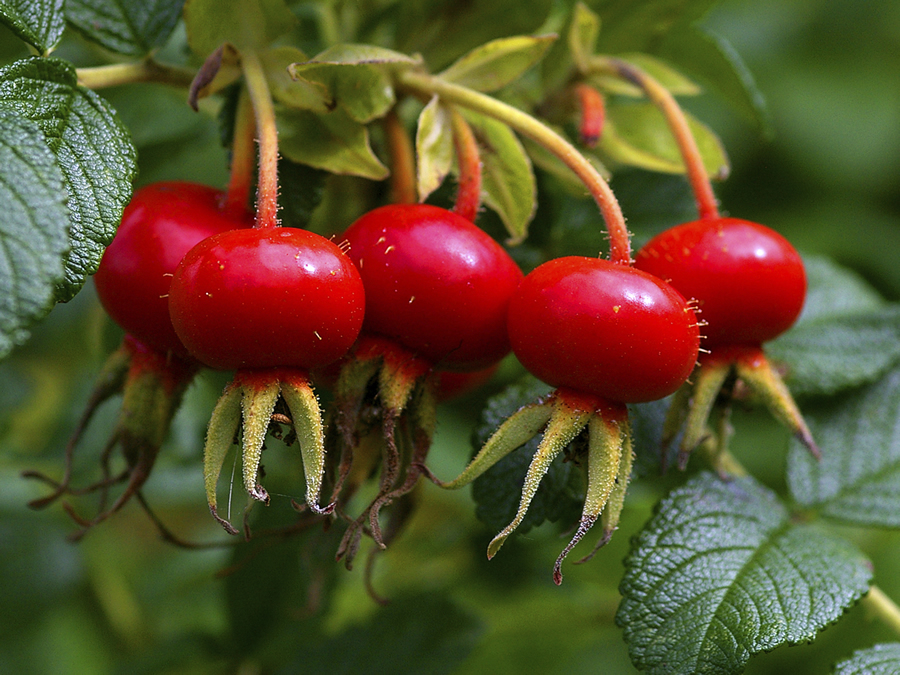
{"x":583,"y":32}
{"x":247,"y":24}
{"x":293,"y":92}
{"x":434,"y":148}
{"x":663,"y":73}
{"x":494,"y":65}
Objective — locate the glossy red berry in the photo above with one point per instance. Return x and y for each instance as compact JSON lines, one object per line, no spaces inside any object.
{"x":162,"y":222}
{"x":266,"y":297}
{"x":748,"y":280}
{"x":435,"y":283}
{"x":604,"y":329}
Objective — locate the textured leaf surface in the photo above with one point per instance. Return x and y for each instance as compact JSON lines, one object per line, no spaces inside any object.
{"x":721,"y":572}
{"x":507,"y":177}
{"x":846,"y":336}
{"x":40,"y":23}
{"x":126,"y":26}
{"x":361,"y":90}
{"x":858,"y":477}
{"x":883,"y":659}
{"x":498,"y":491}
{"x":33,"y":228}
{"x":332,"y":142}
{"x":494,"y":65}
{"x":246,"y":24}
{"x":93,"y":151}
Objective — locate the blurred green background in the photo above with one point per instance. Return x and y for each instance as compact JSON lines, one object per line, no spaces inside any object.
{"x":826,"y":173}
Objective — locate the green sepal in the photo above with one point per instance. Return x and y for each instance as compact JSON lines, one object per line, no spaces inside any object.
{"x":609,"y":521}
{"x":261,"y":392}
{"x":518,"y":429}
{"x":765,"y":382}
{"x":710,"y":377}
{"x":223,"y":425}
{"x":566,"y":422}
{"x":606,"y":440}
{"x":304,"y":406}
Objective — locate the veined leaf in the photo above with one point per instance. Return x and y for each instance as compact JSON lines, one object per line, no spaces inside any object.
{"x":361,"y":90}
{"x":33,"y":239}
{"x":858,"y":477}
{"x":133,"y":27}
{"x":847,"y":335}
{"x":40,"y":23}
{"x":93,"y":151}
{"x":638,"y":135}
{"x":252,"y":24}
{"x":333,"y":142}
{"x":508,"y":180}
{"x":434,"y":148}
{"x":291,"y":91}
{"x":494,"y":65}
{"x":354,"y":55}
{"x":883,"y":659}
{"x":721,"y":572}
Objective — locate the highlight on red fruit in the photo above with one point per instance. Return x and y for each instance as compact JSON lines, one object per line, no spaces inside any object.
{"x":602,"y":328}
{"x":748,"y":280}
{"x":162,"y":222}
{"x":266,"y":298}
{"x":435,"y":283}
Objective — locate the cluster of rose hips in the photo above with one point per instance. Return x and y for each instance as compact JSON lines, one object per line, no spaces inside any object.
{"x":408,"y":294}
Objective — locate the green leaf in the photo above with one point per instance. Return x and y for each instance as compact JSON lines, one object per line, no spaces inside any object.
{"x":434,"y":148}
{"x":246,"y":24}
{"x":301,"y":191}
{"x":93,"y":150}
{"x":332,"y":142}
{"x":497,"y":492}
{"x":508,"y":181}
{"x":641,"y":26}
{"x":846,"y":336}
{"x":294,"y":92}
{"x":496,"y":64}
{"x":883,"y":659}
{"x":355,"y":55}
{"x":40,"y":23}
{"x":828,"y":355}
{"x":362,"y":91}
{"x":33,"y":237}
{"x":663,"y":73}
{"x":858,"y":477}
{"x":582,"y":37}
{"x":134,"y":27}
{"x":637,"y":134}
{"x":722,"y":572}
{"x":413,"y":634}
{"x":713,"y":60}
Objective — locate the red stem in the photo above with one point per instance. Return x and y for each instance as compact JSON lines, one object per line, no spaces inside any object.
{"x":242,"y":158}
{"x":468,"y":198}
{"x":403,"y":163}
{"x":267,"y":134}
{"x":675,"y":117}
{"x":592,"y":110}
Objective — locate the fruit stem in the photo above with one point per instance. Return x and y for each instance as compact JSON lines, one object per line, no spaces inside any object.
{"x":403,"y":162}
{"x":663,"y":99}
{"x":883,"y":606}
{"x":468,"y":197}
{"x":242,"y":147}
{"x":428,"y":85}
{"x":267,"y":133}
{"x":145,"y":70}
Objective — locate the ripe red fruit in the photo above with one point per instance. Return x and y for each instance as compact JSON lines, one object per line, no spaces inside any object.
{"x":265,"y":298}
{"x":748,"y":280}
{"x":162,"y":222}
{"x":602,"y":328}
{"x":435,"y":283}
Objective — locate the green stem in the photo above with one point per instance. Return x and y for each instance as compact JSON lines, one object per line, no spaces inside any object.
{"x":883,"y":607}
{"x":525,"y":124}
{"x":267,"y":133}
{"x":687,"y":145}
{"x":146,"y":70}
